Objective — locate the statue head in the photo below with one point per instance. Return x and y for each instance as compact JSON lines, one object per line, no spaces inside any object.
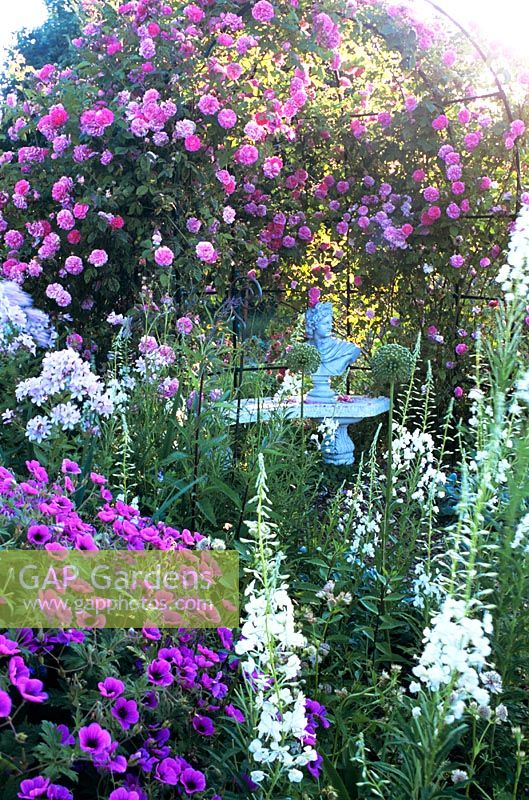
{"x":318,"y":321}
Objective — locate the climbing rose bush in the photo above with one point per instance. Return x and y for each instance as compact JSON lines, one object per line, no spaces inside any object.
{"x":206,"y":143}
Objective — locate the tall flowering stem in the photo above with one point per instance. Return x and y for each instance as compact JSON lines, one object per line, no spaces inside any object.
{"x":454,"y":666}
{"x":271,"y":667}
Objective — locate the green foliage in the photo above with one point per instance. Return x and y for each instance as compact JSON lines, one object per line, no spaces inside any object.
{"x":50,"y":43}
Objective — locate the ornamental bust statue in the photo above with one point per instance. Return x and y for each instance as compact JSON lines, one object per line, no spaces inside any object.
{"x":336,"y":354}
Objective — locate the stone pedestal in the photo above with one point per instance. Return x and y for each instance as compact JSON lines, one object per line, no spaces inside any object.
{"x":321,"y":392}
{"x":338,"y":449}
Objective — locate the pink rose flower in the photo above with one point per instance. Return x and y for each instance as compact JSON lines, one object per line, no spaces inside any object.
{"x":206,"y":252}
{"x":73,"y":265}
{"x":457,"y":261}
{"x":431,"y":194}
{"x":263,"y":11}
{"x":272,"y":166}
{"x":98,"y":258}
{"x":194,"y":13}
{"x":192,"y":143}
{"x":517,"y":128}
{"x":440,"y":122}
{"x":193,"y":225}
{"x":227,"y":118}
{"x":247,"y":154}
{"x":208,"y":104}
{"x":163,"y":256}
{"x":65,"y":220}
{"x":314,"y":296}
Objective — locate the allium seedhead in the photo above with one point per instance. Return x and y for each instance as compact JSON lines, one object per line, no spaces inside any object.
{"x":392,"y":363}
{"x":303,"y":357}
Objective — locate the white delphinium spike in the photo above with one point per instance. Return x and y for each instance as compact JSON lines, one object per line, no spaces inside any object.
{"x":456,"y":648}
{"x":271,"y":666}
{"x":514,"y":275}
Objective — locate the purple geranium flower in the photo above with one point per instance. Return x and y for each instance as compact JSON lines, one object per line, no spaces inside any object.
{"x":111,"y":687}
{"x":38,"y":534}
{"x":126,"y":712}
{"x":33,"y":787}
{"x":17,"y":670}
{"x":66,"y":736}
{"x":159,"y":672}
{"x":31,"y":690}
{"x":169,"y":770}
{"x":5,"y":704}
{"x":124,"y":794}
{"x":108,"y":759}
{"x":7,"y":646}
{"x":235,"y":713}
{"x":58,"y":792}
{"x":70,"y":467}
{"x":203,"y":725}
{"x":193,"y":780}
{"x":94,"y":739}
{"x":150,"y":700}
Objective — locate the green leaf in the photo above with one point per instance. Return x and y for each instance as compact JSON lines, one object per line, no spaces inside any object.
{"x":334,"y":778}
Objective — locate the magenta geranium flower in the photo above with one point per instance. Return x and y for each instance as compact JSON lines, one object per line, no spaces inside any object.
{"x":66,"y":736}
{"x":17,"y":670}
{"x":203,"y":725}
{"x":58,"y":792}
{"x":38,"y":535}
{"x":7,"y":646}
{"x":31,"y":690}
{"x":111,"y":687}
{"x":126,"y":712}
{"x":94,"y":739}
{"x":38,"y":472}
{"x":33,"y":787}
{"x":5,"y":704}
{"x":123,"y":794}
{"x":159,"y":672}
{"x":70,"y":467}
{"x":193,"y":780}
{"x":235,"y":713}
{"x":169,"y":770}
